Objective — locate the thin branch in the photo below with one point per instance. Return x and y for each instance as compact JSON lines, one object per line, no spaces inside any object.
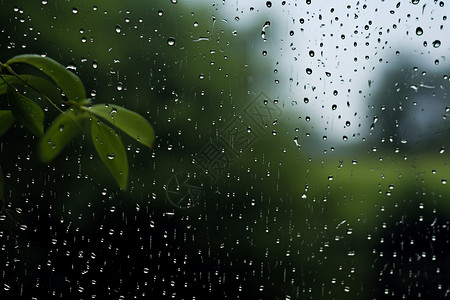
{"x":31,"y":86}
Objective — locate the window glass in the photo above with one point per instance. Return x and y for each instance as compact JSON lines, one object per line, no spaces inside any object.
{"x":301,"y":151}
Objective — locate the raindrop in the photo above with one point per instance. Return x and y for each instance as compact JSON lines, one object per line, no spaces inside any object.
{"x":436,"y":43}
{"x":419,"y":31}
{"x":75,"y":10}
{"x":111,"y":156}
{"x":308,"y":71}
{"x":174,"y":1}
{"x":334,"y":107}
{"x":444,"y":181}
{"x":95,"y":64}
{"x":311,"y":53}
{"x":118,"y":28}
{"x":61,"y":127}
{"x":415,"y":2}
{"x":119,"y":86}
{"x":171,"y":41}
{"x":269,"y":4}
{"x":160,"y":12}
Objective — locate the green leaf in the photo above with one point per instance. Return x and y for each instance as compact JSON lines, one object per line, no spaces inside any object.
{"x":69,"y":82}
{"x":41,"y":84}
{"x":64,"y":128}
{"x":6,"y":121}
{"x":111,"y":151}
{"x":126,"y":120}
{"x":26,"y":111}
{"x":3,"y":86}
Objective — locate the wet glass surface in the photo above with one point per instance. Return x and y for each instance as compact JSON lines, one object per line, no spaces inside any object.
{"x":301,"y":152}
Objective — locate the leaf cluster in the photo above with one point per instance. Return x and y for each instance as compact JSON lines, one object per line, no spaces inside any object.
{"x":57,"y":85}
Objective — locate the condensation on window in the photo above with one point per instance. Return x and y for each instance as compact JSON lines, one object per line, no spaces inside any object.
{"x":301,"y":152}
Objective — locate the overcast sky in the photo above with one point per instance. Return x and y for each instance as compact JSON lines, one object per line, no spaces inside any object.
{"x":355,"y":44}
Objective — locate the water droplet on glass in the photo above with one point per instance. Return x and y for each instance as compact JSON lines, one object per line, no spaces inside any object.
{"x":111,"y":156}
{"x":436,"y":43}
{"x":119,"y":86}
{"x":95,"y":64}
{"x":160,"y":12}
{"x":113,"y":111}
{"x":118,"y":28}
{"x":269,"y":4}
{"x":61,"y":127}
{"x":419,"y":31}
{"x":75,"y":10}
{"x":171,"y":41}
{"x":308,"y":71}
{"x":415,"y":2}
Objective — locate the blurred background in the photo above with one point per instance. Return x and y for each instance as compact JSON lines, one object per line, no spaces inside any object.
{"x":301,"y":152}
